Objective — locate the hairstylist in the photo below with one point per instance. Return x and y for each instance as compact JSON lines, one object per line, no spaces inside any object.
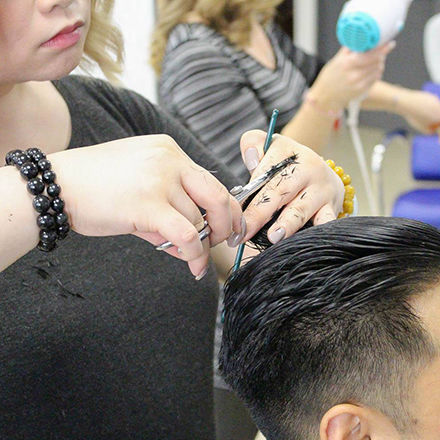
{"x":219,"y":58}
{"x":104,"y":337}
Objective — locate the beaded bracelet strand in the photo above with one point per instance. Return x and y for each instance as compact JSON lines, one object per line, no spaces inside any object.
{"x":348,"y":206}
{"x":37,"y":170}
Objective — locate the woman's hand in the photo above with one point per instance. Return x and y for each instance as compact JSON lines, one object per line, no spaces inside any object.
{"x":307,"y":190}
{"x":420,"y":109}
{"x":146,"y":186}
{"x":348,"y":75}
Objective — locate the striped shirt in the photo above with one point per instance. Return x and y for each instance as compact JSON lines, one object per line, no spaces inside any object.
{"x":218,"y":91}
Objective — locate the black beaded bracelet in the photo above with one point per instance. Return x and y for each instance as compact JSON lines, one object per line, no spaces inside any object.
{"x":52,"y":220}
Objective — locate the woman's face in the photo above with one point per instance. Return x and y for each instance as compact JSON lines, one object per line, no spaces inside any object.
{"x":41,"y":39}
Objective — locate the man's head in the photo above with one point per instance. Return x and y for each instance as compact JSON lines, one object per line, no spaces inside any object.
{"x":334,"y":333}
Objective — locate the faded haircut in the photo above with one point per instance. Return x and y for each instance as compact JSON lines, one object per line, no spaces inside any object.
{"x":324,"y":318}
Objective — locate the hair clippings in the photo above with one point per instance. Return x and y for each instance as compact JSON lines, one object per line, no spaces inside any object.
{"x":242,"y":193}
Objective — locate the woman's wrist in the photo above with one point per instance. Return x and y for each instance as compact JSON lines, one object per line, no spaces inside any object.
{"x":36,"y":170}
{"x":323,"y":104}
{"x":19,"y":226}
{"x":401,"y":101}
{"x":388,"y":97}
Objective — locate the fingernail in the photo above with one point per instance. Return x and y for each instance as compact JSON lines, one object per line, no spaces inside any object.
{"x":251,"y":158}
{"x":202,"y":274}
{"x":236,"y":238}
{"x":243,"y":226}
{"x":277,"y":235}
{"x":392,"y":45}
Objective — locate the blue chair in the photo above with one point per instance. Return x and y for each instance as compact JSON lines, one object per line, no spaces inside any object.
{"x":423,"y":204}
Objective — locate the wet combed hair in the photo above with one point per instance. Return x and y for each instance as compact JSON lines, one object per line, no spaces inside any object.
{"x":231,"y":18}
{"x":104,"y":44}
{"x":324,"y":318}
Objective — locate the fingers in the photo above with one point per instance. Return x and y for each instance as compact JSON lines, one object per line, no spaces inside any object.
{"x":282,"y":189}
{"x":307,"y":203}
{"x":297,"y":213}
{"x":324,"y":215}
{"x":171,"y":225}
{"x":281,"y":148}
{"x":223,"y":212}
{"x":388,"y":47}
{"x":306,"y":189}
{"x":367,"y":68}
{"x":180,"y":231}
{"x":378,"y":54}
{"x":198,"y":266}
{"x":251,"y":146}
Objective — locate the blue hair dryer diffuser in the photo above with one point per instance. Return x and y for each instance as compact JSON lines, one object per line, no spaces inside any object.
{"x":366,"y":24}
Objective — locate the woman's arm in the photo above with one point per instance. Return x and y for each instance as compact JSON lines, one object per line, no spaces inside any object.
{"x":346,"y":76}
{"x":420,"y":109}
{"x":145,"y":186}
{"x":18,"y":227}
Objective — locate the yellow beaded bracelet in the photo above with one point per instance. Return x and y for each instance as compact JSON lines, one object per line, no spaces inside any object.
{"x":348,"y":206}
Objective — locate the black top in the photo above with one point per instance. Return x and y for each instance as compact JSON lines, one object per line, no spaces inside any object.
{"x":106,"y":338}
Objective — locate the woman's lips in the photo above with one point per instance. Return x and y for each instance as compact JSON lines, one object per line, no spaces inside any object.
{"x":67,"y":37}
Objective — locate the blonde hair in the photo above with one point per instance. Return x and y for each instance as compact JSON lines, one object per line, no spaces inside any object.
{"x":104,"y":44}
{"x":231,"y":18}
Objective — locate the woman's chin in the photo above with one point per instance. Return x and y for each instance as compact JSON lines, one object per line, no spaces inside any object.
{"x":57,"y":70}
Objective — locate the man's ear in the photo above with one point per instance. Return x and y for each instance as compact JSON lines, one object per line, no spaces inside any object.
{"x":345,"y":422}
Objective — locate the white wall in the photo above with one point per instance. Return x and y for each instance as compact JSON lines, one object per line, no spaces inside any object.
{"x":135,"y":18}
{"x":305,"y":16}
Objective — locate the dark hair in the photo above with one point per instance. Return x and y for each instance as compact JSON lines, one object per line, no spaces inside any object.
{"x":324,"y":318}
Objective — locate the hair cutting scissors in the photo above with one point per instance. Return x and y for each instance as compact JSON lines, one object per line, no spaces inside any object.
{"x":241,"y":193}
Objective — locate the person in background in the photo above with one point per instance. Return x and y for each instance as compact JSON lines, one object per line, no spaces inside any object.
{"x":105,"y":337}
{"x":224,"y":65}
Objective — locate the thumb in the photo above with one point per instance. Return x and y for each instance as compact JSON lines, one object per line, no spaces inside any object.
{"x":251,"y":146}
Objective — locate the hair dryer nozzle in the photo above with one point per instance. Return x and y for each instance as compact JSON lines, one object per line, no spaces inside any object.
{"x":366,"y":24}
{"x":358,"y":31}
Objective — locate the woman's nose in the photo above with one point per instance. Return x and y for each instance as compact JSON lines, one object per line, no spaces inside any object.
{"x":46,"y":6}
